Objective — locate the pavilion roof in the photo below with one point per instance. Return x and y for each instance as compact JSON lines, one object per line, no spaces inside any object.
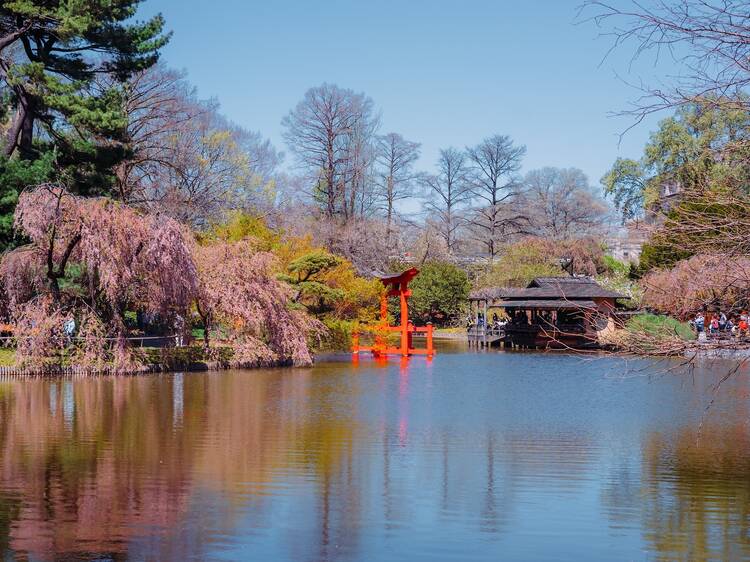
{"x":547,"y":304}
{"x":567,"y":288}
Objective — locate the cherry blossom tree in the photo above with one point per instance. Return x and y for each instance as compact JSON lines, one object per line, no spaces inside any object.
{"x":94,"y":259}
{"x":240,"y":292}
{"x":111,"y":259}
{"x":700,"y":282}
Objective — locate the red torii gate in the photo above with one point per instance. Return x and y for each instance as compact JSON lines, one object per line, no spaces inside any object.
{"x":397,"y":286}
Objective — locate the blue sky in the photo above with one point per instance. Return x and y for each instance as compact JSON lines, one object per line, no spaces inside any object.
{"x":443,"y":73}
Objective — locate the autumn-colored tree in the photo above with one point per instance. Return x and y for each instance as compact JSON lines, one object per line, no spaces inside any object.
{"x":310,"y":269}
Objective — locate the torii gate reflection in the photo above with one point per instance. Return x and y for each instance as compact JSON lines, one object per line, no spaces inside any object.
{"x":396,"y":286}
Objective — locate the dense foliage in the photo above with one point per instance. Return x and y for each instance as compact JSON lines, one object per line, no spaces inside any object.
{"x":439,"y":294}
{"x":238,"y":292}
{"x":618,"y":277}
{"x":64,"y":66}
{"x":323,"y":284}
{"x":703,"y":146}
{"x":93,"y":260}
{"x":700,"y":282}
{"x":659,"y":326}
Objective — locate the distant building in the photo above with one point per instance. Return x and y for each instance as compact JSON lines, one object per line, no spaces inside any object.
{"x":627,"y":244}
{"x":670,"y":193}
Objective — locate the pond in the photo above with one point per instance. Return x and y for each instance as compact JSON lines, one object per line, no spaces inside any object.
{"x":469,"y":456}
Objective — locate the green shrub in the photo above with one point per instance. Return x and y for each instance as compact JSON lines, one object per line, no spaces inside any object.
{"x":660,"y":326}
{"x":339,"y":336}
{"x":615,"y":267}
{"x":438,"y":294}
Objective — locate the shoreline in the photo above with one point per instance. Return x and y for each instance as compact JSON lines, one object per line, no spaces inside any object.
{"x":161,"y":360}
{"x":707,"y":351}
{"x":175,"y":365}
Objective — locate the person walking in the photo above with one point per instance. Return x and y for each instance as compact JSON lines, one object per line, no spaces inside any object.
{"x":742,"y":326}
{"x":699,"y":322}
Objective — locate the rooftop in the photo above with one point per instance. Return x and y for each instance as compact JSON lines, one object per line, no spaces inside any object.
{"x":567,"y":288}
{"x":549,"y":304}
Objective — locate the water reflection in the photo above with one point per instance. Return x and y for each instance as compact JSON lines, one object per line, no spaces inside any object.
{"x":470,"y":456}
{"x":698,"y":493}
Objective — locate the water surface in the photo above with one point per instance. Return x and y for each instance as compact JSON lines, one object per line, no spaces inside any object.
{"x":470,"y":456}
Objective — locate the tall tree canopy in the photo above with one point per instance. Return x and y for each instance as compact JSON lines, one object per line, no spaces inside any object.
{"x":704,"y":145}
{"x":396,"y":176}
{"x":494,"y":165}
{"x":561,"y":204}
{"x":449,"y":191}
{"x":331,"y":132}
{"x":52,"y":54}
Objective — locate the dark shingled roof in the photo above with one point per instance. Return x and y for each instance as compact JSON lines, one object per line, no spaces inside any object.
{"x":547,"y":304}
{"x":568,"y":288}
{"x":568,"y":280}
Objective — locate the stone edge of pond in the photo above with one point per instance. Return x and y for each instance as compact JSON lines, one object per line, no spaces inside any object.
{"x":717,"y":352}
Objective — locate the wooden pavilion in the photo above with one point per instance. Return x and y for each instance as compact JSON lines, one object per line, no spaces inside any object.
{"x":551,"y":312}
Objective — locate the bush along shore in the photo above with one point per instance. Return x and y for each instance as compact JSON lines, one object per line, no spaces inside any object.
{"x":152,"y":360}
{"x":658,"y":335}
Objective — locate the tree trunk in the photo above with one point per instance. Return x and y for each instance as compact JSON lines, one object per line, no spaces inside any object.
{"x":21,"y":133}
{"x":206,"y":319}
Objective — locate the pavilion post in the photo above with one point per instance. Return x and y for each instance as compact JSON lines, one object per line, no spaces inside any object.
{"x":485,"y":323}
{"x":429,"y":339}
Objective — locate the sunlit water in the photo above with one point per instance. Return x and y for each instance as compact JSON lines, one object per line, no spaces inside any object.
{"x":470,"y":456}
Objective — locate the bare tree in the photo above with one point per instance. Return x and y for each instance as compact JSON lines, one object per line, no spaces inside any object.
{"x":160,"y":104}
{"x":396,"y":175}
{"x":184,"y":157}
{"x":360,"y":170}
{"x":561,"y":203}
{"x":328,"y":132}
{"x":708,"y":40}
{"x":449,"y":190}
{"x":494,"y":165}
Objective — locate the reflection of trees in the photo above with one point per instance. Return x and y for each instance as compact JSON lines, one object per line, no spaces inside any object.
{"x":95,"y":463}
{"x":158,"y":467}
{"x":697,"y":493}
{"x":81,"y":457}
